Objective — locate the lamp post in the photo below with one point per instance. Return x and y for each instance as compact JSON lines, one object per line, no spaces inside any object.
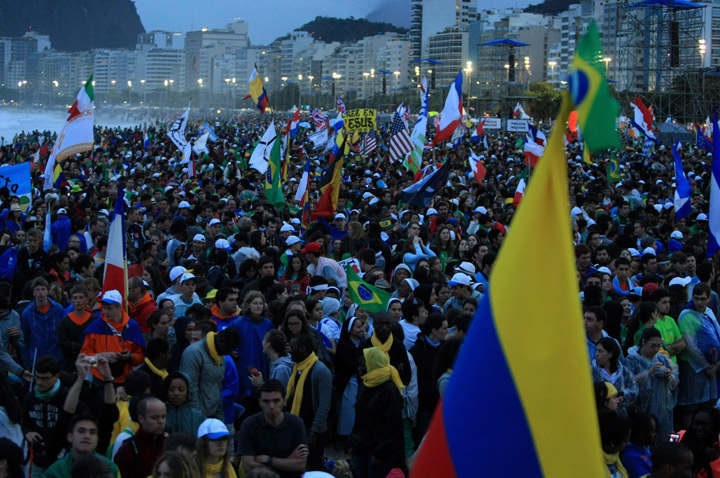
{"x":142,"y":82}
{"x":200,"y":85}
{"x":552,"y":64}
{"x":300,"y":78}
{"x":112,"y":90}
{"x":129,"y":91}
{"x":607,"y":61}
{"x":701,"y":47}
{"x":469,"y":69}
{"x":166,"y":83}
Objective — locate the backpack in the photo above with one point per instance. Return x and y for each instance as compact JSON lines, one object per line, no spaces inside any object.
{"x":8,"y":263}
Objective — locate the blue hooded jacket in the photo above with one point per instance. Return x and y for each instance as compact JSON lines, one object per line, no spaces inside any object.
{"x":61,"y":231}
{"x":40,"y":331}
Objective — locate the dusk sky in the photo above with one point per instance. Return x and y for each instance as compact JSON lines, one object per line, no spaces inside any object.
{"x":268,"y":19}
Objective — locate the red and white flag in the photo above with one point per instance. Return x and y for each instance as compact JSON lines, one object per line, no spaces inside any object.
{"x":452,"y":113}
{"x":477,"y":167}
{"x":115,"y":277}
{"x":519,"y":192}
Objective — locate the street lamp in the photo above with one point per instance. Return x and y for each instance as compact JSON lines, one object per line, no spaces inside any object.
{"x":552,"y":65}
{"x":469,"y":69}
{"x":142,"y":82}
{"x":701,"y":47}
{"x":607,"y":60}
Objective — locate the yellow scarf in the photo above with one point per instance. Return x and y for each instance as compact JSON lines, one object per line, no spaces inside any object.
{"x":212,"y":470}
{"x":614,"y":459}
{"x":301,"y":367}
{"x":379,"y":369}
{"x":385,"y":347}
{"x":160,"y":373}
{"x":210,"y":341}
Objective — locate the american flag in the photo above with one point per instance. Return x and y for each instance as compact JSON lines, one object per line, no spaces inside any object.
{"x":369,"y":143}
{"x":340,"y":105}
{"x":321,"y":122}
{"x":400,"y":142}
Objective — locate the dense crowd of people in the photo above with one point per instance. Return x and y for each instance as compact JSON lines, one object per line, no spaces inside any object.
{"x":237,"y":349}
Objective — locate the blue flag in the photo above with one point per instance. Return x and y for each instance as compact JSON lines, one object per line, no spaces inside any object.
{"x":714,"y":225}
{"x":17,"y":179}
{"x":422,"y":192}
{"x":682,"y":188}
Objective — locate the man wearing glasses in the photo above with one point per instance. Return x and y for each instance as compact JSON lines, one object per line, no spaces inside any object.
{"x":699,"y":361}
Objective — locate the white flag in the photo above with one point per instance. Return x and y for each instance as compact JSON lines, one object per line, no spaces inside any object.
{"x":200,"y":145}
{"x":261,"y":154}
{"x":177,"y":131}
{"x":319,"y":138}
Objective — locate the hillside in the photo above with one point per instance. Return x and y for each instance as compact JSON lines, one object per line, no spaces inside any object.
{"x":73,"y":25}
{"x":551,"y":7}
{"x":329,"y":29}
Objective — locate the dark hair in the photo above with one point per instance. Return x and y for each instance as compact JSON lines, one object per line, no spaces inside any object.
{"x":462,"y":322}
{"x":222,"y":293}
{"x":611,"y":345}
{"x":81,"y":417}
{"x":614,"y":429}
{"x":12,"y":453}
{"x":367,"y":255}
{"x":227,"y":340}
{"x":600,"y":314}
{"x":136,"y":382}
{"x":621,"y":261}
{"x":649,"y":333}
{"x":273,"y":291}
{"x":175,"y":375}
{"x":305,"y":341}
{"x":277,"y":341}
{"x":640,"y":427}
{"x":156,"y":347}
{"x":409,"y":309}
{"x":446,"y":355}
{"x":177,"y":441}
{"x":272,"y":385}
{"x":91,"y":466}
{"x":433,"y":321}
{"x":701,"y":288}
{"x":82,"y":261}
{"x":668,"y":453}
{"x":47,"y":364}
{"x":424,"y":292}
{"x":697,"y":445}
{"x":154,"y":318}
{"x":642,"y":315}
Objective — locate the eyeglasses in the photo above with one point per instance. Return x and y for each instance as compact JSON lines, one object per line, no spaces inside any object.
{"x":700,"y":299}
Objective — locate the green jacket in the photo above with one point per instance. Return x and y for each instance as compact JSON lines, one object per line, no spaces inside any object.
{"x":63,"y":467}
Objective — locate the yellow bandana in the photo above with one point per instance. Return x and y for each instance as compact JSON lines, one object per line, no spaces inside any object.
{"x":210,"y":341}
{"x":379,"y":369}
{"x":301,"y":367}
{"x":160,"y":373}
{"x":385,"y":347}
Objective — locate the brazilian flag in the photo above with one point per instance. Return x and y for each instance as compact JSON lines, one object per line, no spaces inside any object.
{"x":273,"y":186}
{"x":365,"y":295}
{"x":613,"y":169}
{"x":597,"y":109}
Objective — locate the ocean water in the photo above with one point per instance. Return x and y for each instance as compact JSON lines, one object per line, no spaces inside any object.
{"x":14,"y":120}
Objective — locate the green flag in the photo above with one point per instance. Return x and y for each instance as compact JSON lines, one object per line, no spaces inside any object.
{"x":365,"y":295}
{"x":597,"y":110}
{"x":273,"y":188}
{"x":613,"y":169}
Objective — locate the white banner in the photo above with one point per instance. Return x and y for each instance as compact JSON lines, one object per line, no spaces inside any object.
{"x":517,"y":126}
{"x":493,"y":123}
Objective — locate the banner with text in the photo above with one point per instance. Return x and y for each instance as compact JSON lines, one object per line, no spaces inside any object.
{"x":517,"y":126}
{"x":17,"y":179}
{"x":360,"y":121}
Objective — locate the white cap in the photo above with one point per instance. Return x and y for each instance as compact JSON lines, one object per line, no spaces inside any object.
{"x":187,"y":276}
{"x":466,"y":268}
{"x":287,"y":228}
{"x":111,"y":297}
{"x":199,"y":237}
{"x":223,"y":244}
{"x":215,"y":221}
{"x":649,"y":250}
{"x":634,"y":252}
{"x":292,"y":240}
{"x":683,"y":281}
{"x":460,"y":279}
{"x":295,"y":221}
{"x":176,"y":272}
{"x":605,"y":270}
{"x":213,"y":428}
{"x":62,"y":211}
{"x":676,"y":235}
{"x":184,"y":205}
{"x":340,"y":216}
{"x":701,"y":217}
{"x":575,"y":211}
{"x":431,"y":211}
{"x":481,"y":210}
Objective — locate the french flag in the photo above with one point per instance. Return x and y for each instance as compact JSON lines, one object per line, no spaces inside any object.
{"x":301,"y":195}
{"x":534,"y":145}
{"x":452,"y":112}
{"x":115,"y":277}
{"x":477,"y":167}
{"x":479,"y":132}
{"x":519,"y":192}
{"x":295,"y":124}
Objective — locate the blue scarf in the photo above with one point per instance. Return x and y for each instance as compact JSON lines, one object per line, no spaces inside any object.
{"x":618,"y":289}
{"x":47,"y":396}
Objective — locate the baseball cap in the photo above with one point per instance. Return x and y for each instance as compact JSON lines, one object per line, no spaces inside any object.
{"x":176,"y":272}
{"x":312,"y":247}
{"x":213,"y":428}
{"x":215,"y":221}
{"x":431,"y":211}
{"x":480,"y":209}
{"x":199,"y":237}
{"x":111,"y":297}
{"x":700,"y":217}
{"x":187,"y":277}
{"x":295,"y":221}
{"x":460,"y":279}
{"x":292,"y":240}
{"x":466,"y":268}
{"x":223,"y":244}
{"x":676,"y":235}
{"x":211,"y":294}
{"x":649,"y":250}
{"x":63,"y":211}
{"x":184,"y":205}
{"x":340,"y":216}
{"x":287,"y":228}
{"x":683,"y":281}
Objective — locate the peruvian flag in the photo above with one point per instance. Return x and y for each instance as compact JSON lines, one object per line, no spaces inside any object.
{"x":519,"y":192}
{"x":115,"y":277}
{"x":452,"y":112}
{"x":477,"y":167}
{"x":479,"y":132}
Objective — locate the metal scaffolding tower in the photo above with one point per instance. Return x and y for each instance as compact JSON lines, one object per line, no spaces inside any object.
{"x":500,"y":67}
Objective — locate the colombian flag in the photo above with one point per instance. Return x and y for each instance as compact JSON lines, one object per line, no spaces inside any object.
{"x":520,"y":397}
{"x":257,"y":91}
{"x":591,"y":96}
{"x":59,"y":179}
{"x":365,"y":295}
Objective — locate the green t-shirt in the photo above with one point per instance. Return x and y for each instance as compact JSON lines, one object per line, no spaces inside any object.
{"x":669,"y":332}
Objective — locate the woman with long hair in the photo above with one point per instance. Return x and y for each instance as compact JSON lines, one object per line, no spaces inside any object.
{"x":296,"y":276}
{"x":175,"y":465}
{"x":608,"y":368}
{"x":645,"y":317}
{"x":702,"y":438}
{"x":60,"y":267}
{"x":213,"y":450}
{"x":153,"y":276}
{"x":443,"y":245}
{"x":428,"y":296}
